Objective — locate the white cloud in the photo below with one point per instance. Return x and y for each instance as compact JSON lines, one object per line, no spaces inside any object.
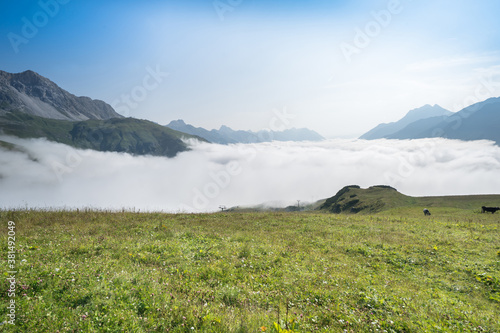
{"x":55,"y":175}
{"x":453,"y":61}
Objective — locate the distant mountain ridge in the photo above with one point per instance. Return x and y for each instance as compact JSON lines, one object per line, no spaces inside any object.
{"x":424,"y":112}
{"x":480,"y":121}
{"x":226,"y":135}
{"x":31,"y":93}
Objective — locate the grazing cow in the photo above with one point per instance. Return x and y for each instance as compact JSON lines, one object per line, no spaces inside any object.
{"x":492,"y":210}
{"x":426,"y":212}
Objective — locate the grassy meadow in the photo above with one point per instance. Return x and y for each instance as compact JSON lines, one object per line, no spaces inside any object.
{"x":395,"y":271}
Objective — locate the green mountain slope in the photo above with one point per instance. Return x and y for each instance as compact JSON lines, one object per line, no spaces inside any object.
{"x":128,"y":135}
{"x":353,"y":199}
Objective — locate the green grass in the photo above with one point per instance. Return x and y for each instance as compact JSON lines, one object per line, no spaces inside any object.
{"x":240,"y":272}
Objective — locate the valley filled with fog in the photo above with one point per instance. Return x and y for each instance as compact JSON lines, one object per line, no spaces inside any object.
{"x":44,"y":174}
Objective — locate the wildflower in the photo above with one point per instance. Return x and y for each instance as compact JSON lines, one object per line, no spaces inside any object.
{"x":263,"y":328}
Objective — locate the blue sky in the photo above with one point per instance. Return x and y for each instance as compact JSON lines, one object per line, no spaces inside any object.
{"x":338,"y":67}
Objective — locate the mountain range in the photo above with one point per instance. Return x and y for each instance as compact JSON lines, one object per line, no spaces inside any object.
{"x":480,"y":121}
{"x":226,"y":135}
{"x":425,"y":112}
{"x":32,"y":106}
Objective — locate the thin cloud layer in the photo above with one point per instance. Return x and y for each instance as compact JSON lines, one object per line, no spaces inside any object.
{"x":51,"y":175}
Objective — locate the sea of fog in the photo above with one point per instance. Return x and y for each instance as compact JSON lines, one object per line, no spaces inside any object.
{"x":52,"y":175}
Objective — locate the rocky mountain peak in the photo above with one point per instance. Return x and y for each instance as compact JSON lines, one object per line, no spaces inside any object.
{"x":31,"y":93}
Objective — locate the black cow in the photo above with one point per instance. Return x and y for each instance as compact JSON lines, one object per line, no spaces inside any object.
{"x":491,"y":210}
{"x":426,"y":212}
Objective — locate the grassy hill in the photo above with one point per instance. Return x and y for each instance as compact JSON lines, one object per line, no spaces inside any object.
{"x":249,"y":272}
{"x":353,"y":199}
{"x":381,"y":199}
{"x":129,"y":135}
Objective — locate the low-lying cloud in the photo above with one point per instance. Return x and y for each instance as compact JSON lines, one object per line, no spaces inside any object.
{"x":51,"y":175}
